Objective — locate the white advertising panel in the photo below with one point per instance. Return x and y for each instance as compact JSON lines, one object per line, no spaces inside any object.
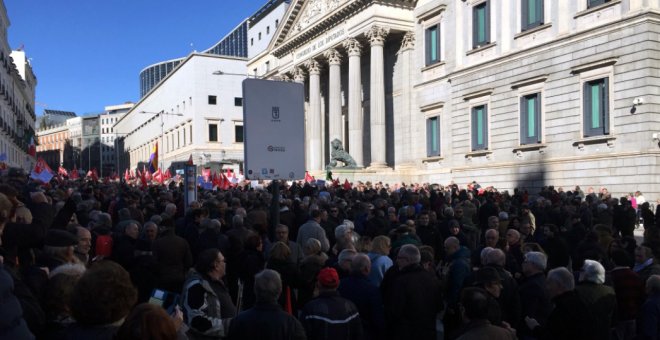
{"x":274,"y":127}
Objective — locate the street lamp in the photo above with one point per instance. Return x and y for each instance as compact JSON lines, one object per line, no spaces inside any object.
{"x":162,"y":133}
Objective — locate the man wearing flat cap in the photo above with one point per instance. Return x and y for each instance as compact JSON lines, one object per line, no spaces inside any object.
{"x":58,"y":249}
{"x":329,"y":316}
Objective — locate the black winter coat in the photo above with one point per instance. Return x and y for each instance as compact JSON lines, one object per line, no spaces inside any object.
{"x":265,"y":321}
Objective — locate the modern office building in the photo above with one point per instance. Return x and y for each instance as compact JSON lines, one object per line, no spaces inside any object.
{"x":233,"y":44}
{"x":17,"y":88}
{"x":511,"y":93}
{"x":196,"y":110}
{"x":53,"y":117}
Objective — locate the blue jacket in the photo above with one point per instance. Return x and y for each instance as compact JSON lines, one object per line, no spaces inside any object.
{"x":458,"y":271}
{"x":12,"y":324}
{"x":366,"y":297}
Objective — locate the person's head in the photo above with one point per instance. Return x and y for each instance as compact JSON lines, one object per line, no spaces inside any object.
{"x":345,"y":258}
{"x":361,"y":265}
{"x":327,"y":279}
{"x":495,"y":257}
{"x":559,"y":281}
{"x":150,"y":231}
{"x":452,"y":245}
{"x":211,"y":262}
{"x":653,"y":285}
{"x":170,"y":209}
{"x":282,"y":233}
{"x":534,"y":262}
{"x":343,"y":232}
{"x":60,"y":244}
{"x":512,"y":236}
{"x":489,"y":279}
{"x":492,"y":236}
{"x":254,"y":242}
{"x":59,"y":289}
{"x":592,"y":271}
{"x":454,"y":227}
{"x":381,"y":245}
{"x":267,"y":286}
{"x":474,"y":304}
{"x":408,"y":255}
{"x":312,"y":247}
{"x":103,"y":295}
{"x":147,"y":321}
{"x":642,"y":253}
{"x":132,"y":231}
{"x":526,"y":228}
{"x":315,"y":214}
{"x":493,"y":222}
{"x":280,"y":251}
{"x":84,"y":240}
{"x":237,"y":221}
{"x":423,"y":219}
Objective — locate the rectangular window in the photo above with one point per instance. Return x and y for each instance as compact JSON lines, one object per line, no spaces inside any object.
{"x":433,"y":44}
{"x":596,"y":107}
{"x":238,"y":132}
{"x":532,"y":14}
{"x":481,"y":25}
{"x":433,"y":136}
{"x":213,"y":100}
{"x":530,"y":119}
{"x":480,"y":128}
{"x":594,"y":3}
{"x":238,"y":101}
{"x":213,"y":132}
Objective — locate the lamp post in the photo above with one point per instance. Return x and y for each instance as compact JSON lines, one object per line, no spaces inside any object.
{"x":162,"y":131}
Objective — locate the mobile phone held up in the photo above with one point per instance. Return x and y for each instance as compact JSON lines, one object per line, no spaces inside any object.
{"x":165,"y":299}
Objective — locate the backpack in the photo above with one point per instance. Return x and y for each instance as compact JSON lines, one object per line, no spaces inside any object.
{"x":104,"y":245}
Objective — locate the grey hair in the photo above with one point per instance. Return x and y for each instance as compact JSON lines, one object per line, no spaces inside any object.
{"x":267,"y":286}
{"x":156,"y":219}
{"x":449,"y":211}
{"x":57,"y":251}
{"x":562,"y":277}
{"x":170,"y":209}
{"x":537,"y":259}
{"x":237,"y":221}
{"x":312,"y":246}
{"x":346,"y":255}
{"x":412,"y":252}
{"x":359,"y":263}
{"x":484,"y":253}
{"x":496,"y":257}
{"x":592,"y":271}
{"x":72,"y":269}
{"x":653,"y":284}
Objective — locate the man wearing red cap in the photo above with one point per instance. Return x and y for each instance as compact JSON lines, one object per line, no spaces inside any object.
{"x":329,"y":316}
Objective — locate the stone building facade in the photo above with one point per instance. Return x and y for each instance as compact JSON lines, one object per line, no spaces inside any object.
{"x":511,"y":93}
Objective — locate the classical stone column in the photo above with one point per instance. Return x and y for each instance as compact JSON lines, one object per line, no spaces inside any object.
{"x":298,"y":75}
{"x":377,"y":37}
{"x":404,"y":138}
{"x":334,"y":59}
{"x":315,"y":153}
{"x":354,"y":101}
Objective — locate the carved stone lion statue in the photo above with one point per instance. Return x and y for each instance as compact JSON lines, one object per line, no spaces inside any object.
{"x":338,"y":154}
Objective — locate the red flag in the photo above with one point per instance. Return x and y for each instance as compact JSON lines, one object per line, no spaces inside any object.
{"x":158,"y":176}
{"x":347,"y":186}
{"x":190,"y":162}
{"x":216,"y":180}
{"x":127,"y":176}
{"x":74,"y":173}
{"x":62,"y":171}
{"x":335,"y":183}
{"x":146,"y":174}
{"x":93,"y":175}
{"x":226,"y":184}
{"x":167,"y":174}
{"x":143,"y":178}
{"x":206,"y":174}
{"x":308,"y":177}
{"x":229,"y":175}
{"x":132,"y":173}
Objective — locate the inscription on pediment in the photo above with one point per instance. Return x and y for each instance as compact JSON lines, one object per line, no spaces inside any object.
{"x":315,"y":10}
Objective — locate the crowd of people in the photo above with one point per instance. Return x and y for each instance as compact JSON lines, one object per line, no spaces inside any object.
{"x":83,"y":259}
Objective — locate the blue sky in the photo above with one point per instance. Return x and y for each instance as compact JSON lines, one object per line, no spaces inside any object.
{"x":87,"y":54}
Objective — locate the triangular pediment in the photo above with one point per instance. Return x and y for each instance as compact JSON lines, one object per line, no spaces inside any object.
{"x":305,"y":14}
